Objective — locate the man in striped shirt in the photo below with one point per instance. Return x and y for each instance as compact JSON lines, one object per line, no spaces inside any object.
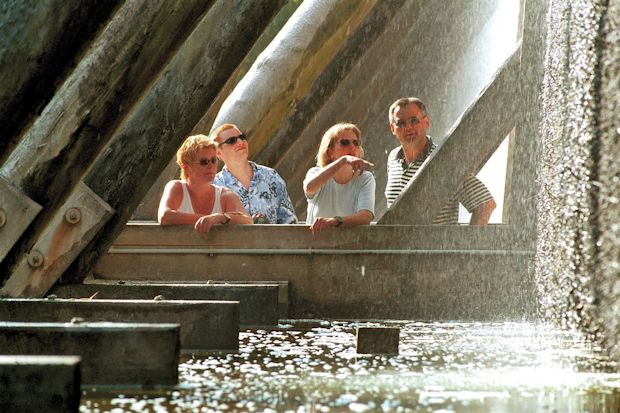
{"x":409,"y":123}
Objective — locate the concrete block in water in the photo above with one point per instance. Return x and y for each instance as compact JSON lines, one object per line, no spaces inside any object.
{"x":377,"y":340}
{"x":258,"y":303}
{"x":47,"y":384}
{"x":112,"y":353}
{"x":205,"y":325}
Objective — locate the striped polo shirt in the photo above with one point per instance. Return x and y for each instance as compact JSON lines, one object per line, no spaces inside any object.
{"x":471,"y":192}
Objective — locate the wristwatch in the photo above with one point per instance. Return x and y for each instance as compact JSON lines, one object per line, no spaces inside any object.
{"x":339,"y":219}
{"x":228,"y":218}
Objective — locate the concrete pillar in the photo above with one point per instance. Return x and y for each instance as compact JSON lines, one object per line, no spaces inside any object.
{"x":377,"y":340}
{"x":111,"y":353}
{"x":49,"y":384}
{"x":205,"y":325}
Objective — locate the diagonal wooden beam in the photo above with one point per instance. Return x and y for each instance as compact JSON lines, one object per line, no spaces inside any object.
{"x":469,"y":144}
{"x":88,"y":106}
{"x":146,"y":140}
{"x":39,"y":40}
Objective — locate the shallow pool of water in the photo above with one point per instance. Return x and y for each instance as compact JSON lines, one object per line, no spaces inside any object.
{"x":312,"y":366}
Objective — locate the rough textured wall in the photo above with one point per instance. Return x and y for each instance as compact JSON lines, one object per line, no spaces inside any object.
{"x":607,"y":271}
{"x":577,"y":262}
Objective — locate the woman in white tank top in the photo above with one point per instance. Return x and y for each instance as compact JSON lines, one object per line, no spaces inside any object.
{"x":194,"y":200}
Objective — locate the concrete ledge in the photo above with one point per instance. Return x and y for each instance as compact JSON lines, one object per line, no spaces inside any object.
{"x":49,"y":384}
{"x":258,"y":303}
{"x":418,"y":272}
{"x":423,"y":285}
{"x":283,"y":289}
{"x":205,"y":325}
{"x":112,"y":353}
{"x":150,"y":235}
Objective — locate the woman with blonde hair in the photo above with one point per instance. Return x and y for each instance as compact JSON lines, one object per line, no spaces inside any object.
{"x":194,"y":200}
{"x":340,"y":191}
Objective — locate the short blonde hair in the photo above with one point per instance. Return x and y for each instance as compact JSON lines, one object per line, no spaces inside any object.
{"x":327,"y":142}
{"x":216,"y":133}
{"x":187,"y":152}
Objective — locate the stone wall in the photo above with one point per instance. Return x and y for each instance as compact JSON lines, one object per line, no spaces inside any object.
{"x":578,"y":263}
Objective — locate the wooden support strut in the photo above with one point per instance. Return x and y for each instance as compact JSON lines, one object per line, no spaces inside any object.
{"x":153,"y":131}
{"x":71,"y":228}
{"x":16,"y":212}
{"x":81,"y":117}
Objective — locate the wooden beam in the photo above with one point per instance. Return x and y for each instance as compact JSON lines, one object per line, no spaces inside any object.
{"x":66,"y":234}
{"x":39,"y":40}
{"x":286,"y":70}
{"x":92,"y":101}
{"x":152,"y":132}
{"x":16,"y":212}
{"x":478,"y":133}
{"x":258,"y":303}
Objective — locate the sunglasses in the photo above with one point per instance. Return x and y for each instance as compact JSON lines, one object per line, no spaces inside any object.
{"x":233,"y":139}
{"x":207,"y":162}
{"x":347,"y":142}
{"x":402,"y":123}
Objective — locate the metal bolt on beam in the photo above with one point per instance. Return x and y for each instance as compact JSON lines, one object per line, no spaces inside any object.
{"x":35,"y":259}
{"x":73,"y":215}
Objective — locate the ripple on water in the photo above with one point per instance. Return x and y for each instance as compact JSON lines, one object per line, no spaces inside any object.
{"x":456,"y":367}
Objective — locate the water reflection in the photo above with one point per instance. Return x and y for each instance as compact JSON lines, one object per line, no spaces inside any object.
{"x":442,"y":367}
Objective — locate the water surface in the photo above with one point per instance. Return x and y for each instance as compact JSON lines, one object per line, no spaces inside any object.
{"x":312,"y":366}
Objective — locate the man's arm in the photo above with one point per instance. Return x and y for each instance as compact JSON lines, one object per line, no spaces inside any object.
{"x":481,"y":214}
{"x":477,"y":199}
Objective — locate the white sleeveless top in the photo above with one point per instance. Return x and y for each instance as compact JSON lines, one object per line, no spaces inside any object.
{"x":186,"y":203}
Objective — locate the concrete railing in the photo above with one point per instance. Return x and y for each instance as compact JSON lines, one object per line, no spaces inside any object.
{"x":377,"y":271}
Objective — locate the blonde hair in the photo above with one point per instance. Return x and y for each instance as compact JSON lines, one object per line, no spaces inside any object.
{"x":216,"y":133}
{"x":327,"y":142}
{"x":187,"y":152}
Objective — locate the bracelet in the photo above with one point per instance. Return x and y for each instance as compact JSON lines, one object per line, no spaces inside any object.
{"x":228,"y":218}
{"x":340,"y":220}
